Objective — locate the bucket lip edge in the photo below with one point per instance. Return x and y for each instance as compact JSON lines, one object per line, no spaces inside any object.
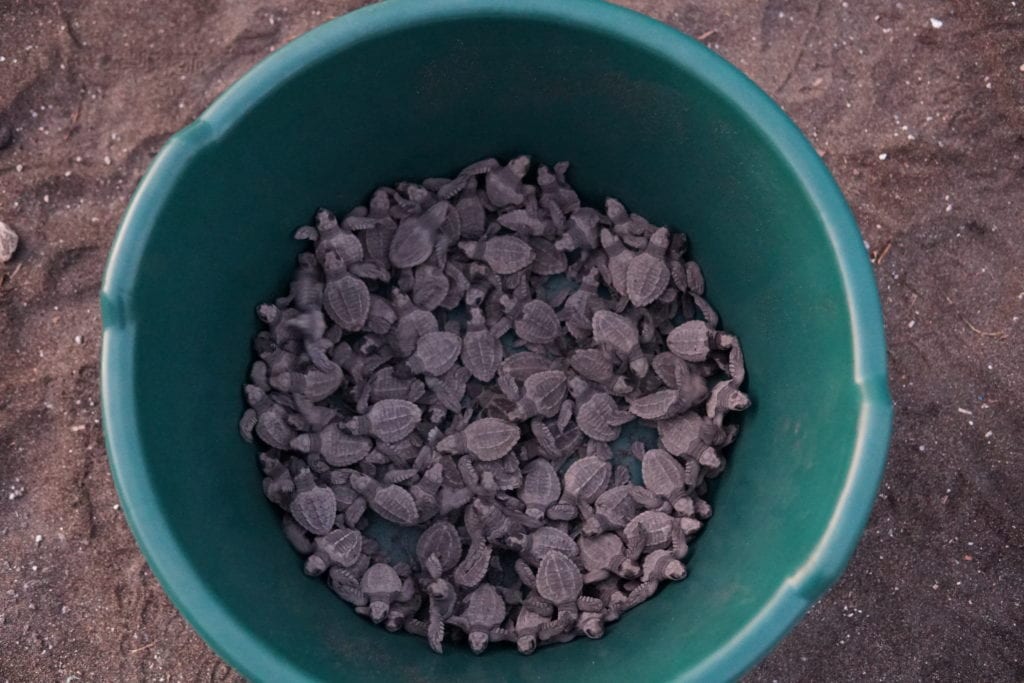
{"x":232,"y":639}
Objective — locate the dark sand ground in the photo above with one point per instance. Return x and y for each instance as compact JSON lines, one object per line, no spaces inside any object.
{"x":922,"y":124}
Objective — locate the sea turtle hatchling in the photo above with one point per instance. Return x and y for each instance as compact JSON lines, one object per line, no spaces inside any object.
{"x":430,"y":286}
{"x":603,"y":556}
{"x":559,"y":583}
{"x":582,"y":483}
{"x":413,"y":242}
{"x":663,"y":475}
{"x":618,"y":334}
{"x":538,"y":323}
{"x":504,"y":254}
{"x":597,"y":413}
{"x":339,"y":547}
{"x":337,"y":447}
{"x":382,"y":586}
{"x":542,"y":395}
{"x":488,"y":439}
{"x":653,"y":530}
{"x":313,"y":506}
{"x":346,"y":297}
{"x":541,"y":488}
{"x":533,"y":547}
{"x":504,"y":184}
{"x":647,"y":275}
{"x":392,"y":502}
{"x":661,"y":565}
{"x":482,"y":618}
{"x":481,"y":348}
{"x":389,"y":420}
{"x":614,"y":508}
{"x":436,"y":353}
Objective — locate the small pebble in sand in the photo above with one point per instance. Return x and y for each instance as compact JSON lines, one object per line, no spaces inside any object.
{"x":8,"y":242}
{"x":936,"y":23}
{"x":883,"y":156}
{"x":78,"y":339}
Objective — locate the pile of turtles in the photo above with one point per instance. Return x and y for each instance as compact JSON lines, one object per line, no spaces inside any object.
{"x":538,"y":388}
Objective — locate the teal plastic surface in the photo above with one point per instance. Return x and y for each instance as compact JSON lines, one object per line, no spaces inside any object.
{"x":407,"y":89}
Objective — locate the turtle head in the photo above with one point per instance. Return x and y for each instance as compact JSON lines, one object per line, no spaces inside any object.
{"x":675,"y":571}
{"x":526,"y":644}
{"x":378,"y":611}
{"x":591,"y":625}
{"x":478,"y":641}
{"x":516,"y":541}
{"x":591,"y":526}
{"x":628,"y":569}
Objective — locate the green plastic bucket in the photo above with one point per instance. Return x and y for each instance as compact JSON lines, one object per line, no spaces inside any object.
{"x":409,"y":89}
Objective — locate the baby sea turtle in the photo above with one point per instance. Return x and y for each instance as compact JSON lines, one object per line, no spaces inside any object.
{"x":603,"y":556}
{"x":618,"y":334}
{"x":581,"y":231}
{"x":481,"y":348}
{"x":271,"y":420}
{"x":389,"y":420}
{"x":726,"y":398}
{"x":538,"y":323}
{"x":450,"y":388}
{"x":346,"y":297}
{"x":614,"y":508}
{"x":661,"y":565}
{"x":548,"y":260}
{"x":436,"y":353}
{"x":683,"y":435}
{"x":391,"y":502}
{"x":337,"y":447}
{"x":430,"y":286}
{"x":440,"y":539}
{"x":542,"y":395}
{"x":412,"y":323}
{"x":382,"y":586}
{"x":413,"y":242}
{"x":597,"y":413}
{"x":659,"y":405}
{"x":522,"y":364}
{"x":560,"y":583}
{"x":533,"y":547}
{"x":619,"y":258}
{"x":482,"y":618}
{"x":541,"y":488}
{"x":647,"y":275}
{"x":488,"y":439}
{"x":473,"y":567}
{"x":652,"y":530}
{"x":664,"y":476}
{"x":278,"y":485}
{"x":693,"y":341}
{"x":504,"y":184}
{"x":528,"y":627}
{"x":313,"y":506}
{"x":583,"y":482}
{"x":594,"y":365}
{"x":339,"y":547}
{"x":504,"y":254}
